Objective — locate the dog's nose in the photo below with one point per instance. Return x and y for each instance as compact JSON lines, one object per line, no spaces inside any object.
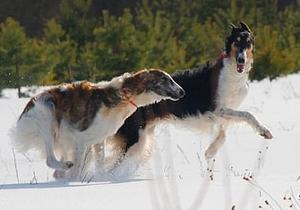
{"x":181,"y":93}
{"x":241,"y":60}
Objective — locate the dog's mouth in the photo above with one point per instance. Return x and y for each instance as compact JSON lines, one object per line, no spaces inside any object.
{"x":174,"y":96}
{"x":240,"y":67}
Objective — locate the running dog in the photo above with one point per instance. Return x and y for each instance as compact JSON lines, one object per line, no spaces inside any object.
{"x":213,"y":94}
{"x":64,"y":121}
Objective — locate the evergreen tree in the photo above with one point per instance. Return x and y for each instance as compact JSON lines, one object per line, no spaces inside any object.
{"x":14,"y":55}
{"x":116,"y":46}
{"x":59,"y":54}
{"x":77,"y":44}
{"x":75,"y":20}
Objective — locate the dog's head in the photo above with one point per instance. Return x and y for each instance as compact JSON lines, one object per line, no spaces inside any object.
{"x":240,"y":45}
{"x":154,"y":81}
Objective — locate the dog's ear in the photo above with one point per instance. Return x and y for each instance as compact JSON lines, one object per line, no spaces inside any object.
{"x":245,"y":27}
{"x":126,"y":75}
{"x":233,"y":28}
{"x":125,"y":90}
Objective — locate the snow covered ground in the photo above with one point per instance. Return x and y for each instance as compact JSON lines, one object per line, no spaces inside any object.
{"x":249,"y":173}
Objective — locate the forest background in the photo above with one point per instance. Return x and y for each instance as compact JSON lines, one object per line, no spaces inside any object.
{"x":46,"y":42}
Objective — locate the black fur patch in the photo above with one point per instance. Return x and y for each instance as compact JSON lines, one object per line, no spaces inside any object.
{"x":200,"y":86}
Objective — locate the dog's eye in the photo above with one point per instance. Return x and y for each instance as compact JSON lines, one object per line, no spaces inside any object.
{"x":248,"y":45}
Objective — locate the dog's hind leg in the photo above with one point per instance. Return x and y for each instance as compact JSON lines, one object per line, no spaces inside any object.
{"x":137,"y":154}
{"x":115,"y":148}
{"x":230,"y":114}
{"x":96,"y":159}
{"x":51,"y":161}
{"x":64,"y":154}
{"x":43,"y":115}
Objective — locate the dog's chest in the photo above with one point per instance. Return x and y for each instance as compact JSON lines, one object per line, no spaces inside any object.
{"x":106,"y":123}
{"x":232,"y":87}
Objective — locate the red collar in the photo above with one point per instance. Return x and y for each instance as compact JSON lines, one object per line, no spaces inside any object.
{"x":132,"y":103}
{"x":126,"y":96}
{"x":223,"y":55}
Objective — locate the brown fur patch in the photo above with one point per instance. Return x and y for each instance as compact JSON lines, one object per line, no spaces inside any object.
{"x":118,"y":143}
{"x":141,"y":81}
{"x":136,"y":84}
{"x":28,"y":106}
{"x":249,"y":53}
{"x":77,"y":103}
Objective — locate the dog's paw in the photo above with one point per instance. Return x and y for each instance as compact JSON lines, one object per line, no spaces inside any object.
{"x":210,"y":153}
{"x":65,"y":165}
{"x":266,"y":133}
{"x":59,"y":165}
{"x":58,"y":174}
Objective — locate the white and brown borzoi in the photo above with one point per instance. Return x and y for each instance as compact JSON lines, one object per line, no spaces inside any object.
{"x":64,"y":121}
{"x":213,"y":93}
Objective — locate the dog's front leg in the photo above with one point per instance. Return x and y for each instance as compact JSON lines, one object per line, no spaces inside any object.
{"x":242,"y":116}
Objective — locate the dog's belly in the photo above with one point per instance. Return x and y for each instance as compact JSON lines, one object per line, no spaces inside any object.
{"x":99,"y":130}
{"x":105,"y":124}
{"x":203,"y":123}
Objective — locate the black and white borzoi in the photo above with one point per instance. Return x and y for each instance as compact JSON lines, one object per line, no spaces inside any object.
{"x":213,"y":94}
{"x":64,"y":121}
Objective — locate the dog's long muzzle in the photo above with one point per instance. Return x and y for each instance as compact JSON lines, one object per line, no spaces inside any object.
{"x":240,"y":61}
{"x":181,"y":93}
{"x":177,"y":94}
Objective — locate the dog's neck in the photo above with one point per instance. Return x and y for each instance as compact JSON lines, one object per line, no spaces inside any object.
{"x":127,"y":98}
{"x":146,"y":98}
{"x":129,"y":104}
{"x":232,"y":87}
{"x":134,"y":101}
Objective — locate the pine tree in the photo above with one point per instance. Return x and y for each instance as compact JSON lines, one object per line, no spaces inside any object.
{"x":116,"y":46}
{"x":59,"y":54}
{"x":12,"y":46}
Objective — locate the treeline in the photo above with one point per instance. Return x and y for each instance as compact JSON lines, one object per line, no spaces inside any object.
{"x":177,"y":34}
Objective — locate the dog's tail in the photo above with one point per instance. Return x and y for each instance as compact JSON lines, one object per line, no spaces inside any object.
{"x":29,"y":130}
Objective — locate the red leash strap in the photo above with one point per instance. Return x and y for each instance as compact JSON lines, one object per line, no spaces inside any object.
{"x":132,"y":102}
{"x":126,"y":96}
